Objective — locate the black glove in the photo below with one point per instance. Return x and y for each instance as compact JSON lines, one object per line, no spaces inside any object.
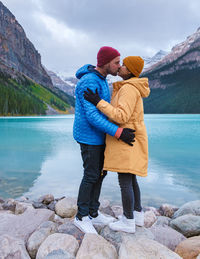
{"x":128,"y":136}
{"x":91,"y":97}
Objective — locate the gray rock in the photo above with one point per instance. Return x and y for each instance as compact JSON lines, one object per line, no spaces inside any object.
{"x":144,"y":248}
{"x":59,"y":254}
{"x":21,"y":207}
{"x":9,"y":204}
{"x":46,"y":199}
{"x":21,"y":226}
{"x":116,"y":237}
{"x":12,"y":248}
{"x":192,"y":207}
{"x":57,"y":241}
{"x":37,"y":237}
{"x":188,"y":225}
{"x":106,"y":208}
{"x":71,"y":229}
{"x":1,"y":200}
{"x":39,"y":205}
{"x":117,"y":210}
{"x":162,"y":221}
{"x":167,"y":236}
{"x":66,"y":207}
{"x":52,"y":205}
{"x":168,"y":210}
{"x":153,"y":209}
{"x":59,"y":199}
{"x":95,"y":246}
{"x":149,"y":218}
{"x":104,"y":203}
{"x":59,"y":221}
{"x":22,"y":199}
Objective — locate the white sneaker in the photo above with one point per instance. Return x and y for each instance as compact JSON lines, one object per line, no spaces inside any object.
{"x":102,"y":219}
{"x":124,"y":224}
{"x":85,"y":225}
{"x":139,"y":218}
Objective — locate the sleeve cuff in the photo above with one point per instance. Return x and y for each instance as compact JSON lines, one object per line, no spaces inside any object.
{"x":118,"y":133}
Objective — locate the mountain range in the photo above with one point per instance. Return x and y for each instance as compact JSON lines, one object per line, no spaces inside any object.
{"x":26,"y":87}
{"x":175,"y":79}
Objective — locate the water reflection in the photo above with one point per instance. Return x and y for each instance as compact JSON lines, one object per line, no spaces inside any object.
{"x":38,"y":156}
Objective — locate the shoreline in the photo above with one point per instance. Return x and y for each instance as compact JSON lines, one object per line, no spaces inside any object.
{"x":43,"y":228}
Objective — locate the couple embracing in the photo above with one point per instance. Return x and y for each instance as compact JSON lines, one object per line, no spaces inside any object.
{"x":112,"y":137}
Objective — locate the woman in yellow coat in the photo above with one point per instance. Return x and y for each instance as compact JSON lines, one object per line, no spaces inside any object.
{"x":126,"y":109}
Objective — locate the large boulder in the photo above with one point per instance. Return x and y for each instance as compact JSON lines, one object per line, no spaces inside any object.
{"x":57,"y":241}
{"x":11,"y":247}
{"x":95,"y":246}
{"x":149,"y":218}
{"x":188,"y":225}
{"x":167,"y":236}
{"x":192,"y":207}
{"x":189,"y":248}
{"x":66,"y":207}
{"x":144,"y":248}
{"x":70,"y":229}
{"x":59,"y":254}
{"x":162,"y":221}
{"x":23,"y":225}
{"x":38,"y":236}
{"x":116,"y":237}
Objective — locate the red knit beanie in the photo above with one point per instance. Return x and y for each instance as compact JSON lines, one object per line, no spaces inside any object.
{"x":105,"y":55}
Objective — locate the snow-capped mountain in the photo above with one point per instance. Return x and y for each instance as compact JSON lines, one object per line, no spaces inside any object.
{"x":174,"y":80}
{"x":149,"y":61}
{"x":67,"y":85}
{"x":183,"y":53}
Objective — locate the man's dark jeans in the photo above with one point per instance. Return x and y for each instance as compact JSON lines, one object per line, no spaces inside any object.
{"x":90,"y":188}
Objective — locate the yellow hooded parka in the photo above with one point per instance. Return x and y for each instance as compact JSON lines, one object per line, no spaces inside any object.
{"x":126,"y":109}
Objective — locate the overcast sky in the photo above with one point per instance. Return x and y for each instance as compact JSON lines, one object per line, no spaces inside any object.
{"x":68,"y":33}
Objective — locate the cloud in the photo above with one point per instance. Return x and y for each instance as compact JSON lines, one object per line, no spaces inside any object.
{"x":68,"y":33}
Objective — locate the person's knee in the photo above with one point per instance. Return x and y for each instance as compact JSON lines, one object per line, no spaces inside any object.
{"x":91,"y":178}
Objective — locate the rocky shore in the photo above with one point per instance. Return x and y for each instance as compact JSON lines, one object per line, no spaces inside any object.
{"x":44,"y":229}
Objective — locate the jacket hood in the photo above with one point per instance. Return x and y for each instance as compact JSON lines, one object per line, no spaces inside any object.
{"x":141,"y":84}
{"x":86,"y":69}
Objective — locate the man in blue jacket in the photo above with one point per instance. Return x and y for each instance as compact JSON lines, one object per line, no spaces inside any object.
{"x":90,"y":128}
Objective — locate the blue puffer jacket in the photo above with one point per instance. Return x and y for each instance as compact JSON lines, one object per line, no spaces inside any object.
{"x":90,"y":125}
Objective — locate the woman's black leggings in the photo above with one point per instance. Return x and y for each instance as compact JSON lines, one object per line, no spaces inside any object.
{"x":130,"y":193}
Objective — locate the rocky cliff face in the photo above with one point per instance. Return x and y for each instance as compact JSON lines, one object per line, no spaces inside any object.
{"x":17,"y":52}
{"x":183,"y":58}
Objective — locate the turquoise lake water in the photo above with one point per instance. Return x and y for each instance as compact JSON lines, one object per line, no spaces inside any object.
{"x":38,"y":156}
